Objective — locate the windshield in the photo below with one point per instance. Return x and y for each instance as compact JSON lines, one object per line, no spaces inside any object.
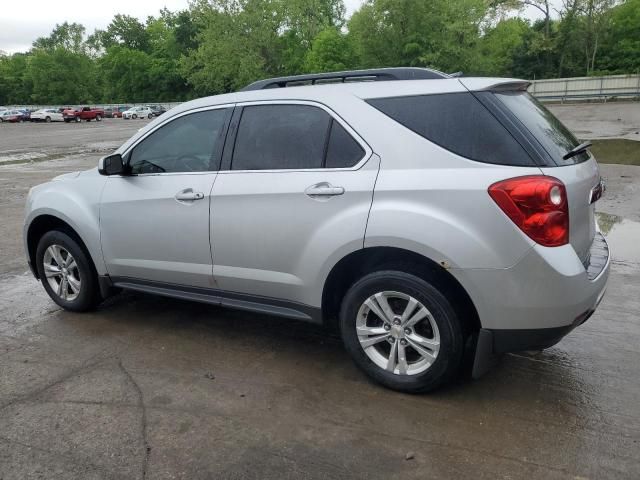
{"x":556,"y":139}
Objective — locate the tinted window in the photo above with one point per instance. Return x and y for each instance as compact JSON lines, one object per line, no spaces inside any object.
{"x":185,"y":144}
{"x":343,"y":150}
{"x":457,"y":122}
{"x":280,"y":137}
{"x":556,"y":139}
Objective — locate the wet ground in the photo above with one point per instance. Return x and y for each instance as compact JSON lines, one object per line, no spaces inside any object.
{"x":599,"y":120}
{"x":147,"y":387}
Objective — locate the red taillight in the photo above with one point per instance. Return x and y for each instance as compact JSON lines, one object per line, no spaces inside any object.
{"x":537,"y":205}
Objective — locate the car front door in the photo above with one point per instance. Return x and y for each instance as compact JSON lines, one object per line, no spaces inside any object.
{"x":296,"y":190}
{"x":154,"y":221}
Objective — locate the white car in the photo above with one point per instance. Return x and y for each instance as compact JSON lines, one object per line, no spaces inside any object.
{"x":137,"y":112}
{"x":47,"y":115}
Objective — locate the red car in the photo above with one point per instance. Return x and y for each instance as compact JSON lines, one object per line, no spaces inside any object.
{"x":84,"y":113}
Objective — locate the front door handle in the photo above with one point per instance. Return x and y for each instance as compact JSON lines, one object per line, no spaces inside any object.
{"x":323,"y":189}
{"x":188,"y":195}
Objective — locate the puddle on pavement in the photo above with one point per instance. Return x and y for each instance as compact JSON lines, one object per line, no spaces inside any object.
{"x":623,"y":236}
{"x":622,"y":151}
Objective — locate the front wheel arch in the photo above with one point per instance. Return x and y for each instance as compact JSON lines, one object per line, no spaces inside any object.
{"x":46,"y":223}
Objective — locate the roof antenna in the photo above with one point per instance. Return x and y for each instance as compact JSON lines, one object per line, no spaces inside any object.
{"x":456,"y":75}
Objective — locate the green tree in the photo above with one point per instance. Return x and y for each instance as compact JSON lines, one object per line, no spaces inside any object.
{"x":61,"y":76}
{"x":438,"y":33}
{"x":620,"y":51}
{"x":124,"y":30}
{"x":127,"y":75}
{"x":498,"y":46}
{"x":68,"y":36}
{"x":15,"y":83}
{"x":331,"y":50}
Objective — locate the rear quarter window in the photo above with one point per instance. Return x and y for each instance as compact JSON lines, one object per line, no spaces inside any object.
{"x":457,"y":122}
{"x":554,"y":137}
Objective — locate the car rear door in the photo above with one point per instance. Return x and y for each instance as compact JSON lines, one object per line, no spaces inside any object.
{"x":293,"y":194}
{"x":155,"y":222}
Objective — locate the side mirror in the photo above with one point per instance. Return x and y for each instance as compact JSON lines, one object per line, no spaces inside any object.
{"x":111,"y":165}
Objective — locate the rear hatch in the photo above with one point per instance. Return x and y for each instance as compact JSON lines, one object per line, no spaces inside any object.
{"x":550,"y":141}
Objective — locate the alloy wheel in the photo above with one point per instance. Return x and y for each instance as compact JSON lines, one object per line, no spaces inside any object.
{"x":398,"y":333}
{"x":62,"y":273}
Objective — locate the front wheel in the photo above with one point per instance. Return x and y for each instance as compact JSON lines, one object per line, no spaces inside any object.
{"x":98,"y":118}
{"x":134,"y":116}
{"x":47,"y":119}
{"x":66,"y":272}
{"x":401,"y":331}
{"x":78,"y":119}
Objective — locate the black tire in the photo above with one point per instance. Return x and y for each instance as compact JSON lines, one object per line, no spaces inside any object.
{"x":150,"y":116}
{"x":449,"y":357}
{"x":98,"y":118}
{"x":78,"y":119}
{"x":134,"y":116}
{"x":89,"y":295}
{"x":47,"y":119}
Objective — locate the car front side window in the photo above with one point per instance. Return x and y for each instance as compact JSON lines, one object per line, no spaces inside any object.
{"x":186,"y":144}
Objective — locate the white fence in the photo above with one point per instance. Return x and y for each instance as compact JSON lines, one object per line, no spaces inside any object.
{"x":586,"y":88}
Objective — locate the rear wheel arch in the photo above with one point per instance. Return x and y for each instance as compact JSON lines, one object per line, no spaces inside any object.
{"x":46,"y":223}
{"x":364,"y":261}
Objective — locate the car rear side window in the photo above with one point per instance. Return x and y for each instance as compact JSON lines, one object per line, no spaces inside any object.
{"x":272,"y":137}
{"x":342,"y":151}
{"x":457,"y":122}
{"x":554,"y":137}
{"x":185,"y":144}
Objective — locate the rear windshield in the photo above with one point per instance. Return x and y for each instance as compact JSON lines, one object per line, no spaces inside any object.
{"x":554,"y":137}
{"x":457,"y":122}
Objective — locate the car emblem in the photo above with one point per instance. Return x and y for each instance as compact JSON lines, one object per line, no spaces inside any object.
{"x":597,"y":191}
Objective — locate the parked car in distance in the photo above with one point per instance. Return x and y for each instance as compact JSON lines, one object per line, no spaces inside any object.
{"x":115,"y":112}
{"x":26,"y":114}
{"x":428,"y":221}
{"x":84,"y":113}
{"x":157,"y":110}
{"x":47,"y":115}
{"x":12,"y":116}
{"x":137,"y":112}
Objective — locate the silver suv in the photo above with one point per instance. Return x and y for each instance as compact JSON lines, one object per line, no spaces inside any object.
{"x":429,"y":218}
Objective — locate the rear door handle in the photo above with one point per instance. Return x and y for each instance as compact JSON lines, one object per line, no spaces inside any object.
{"x":188,"y":195}
{"x":323,"y":189}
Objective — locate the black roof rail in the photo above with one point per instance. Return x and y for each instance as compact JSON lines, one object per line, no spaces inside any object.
{"x":377,"y":74}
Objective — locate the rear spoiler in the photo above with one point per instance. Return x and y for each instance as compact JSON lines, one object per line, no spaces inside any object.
{"x":495,"y":84}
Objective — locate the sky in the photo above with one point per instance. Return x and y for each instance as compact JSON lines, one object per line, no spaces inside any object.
{"x":22,"y":21}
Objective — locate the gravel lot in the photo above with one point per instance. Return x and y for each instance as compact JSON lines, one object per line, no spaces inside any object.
{"x":147,"y":387}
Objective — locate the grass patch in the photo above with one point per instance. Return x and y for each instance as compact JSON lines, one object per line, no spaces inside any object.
{"x":624,"y":152}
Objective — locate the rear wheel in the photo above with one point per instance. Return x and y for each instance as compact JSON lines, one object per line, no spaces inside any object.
{"x":98,"y":118}
{"x":401,"y":331}
{"x":47,"y":119}
{"x":150,"y":116}
{"x":66,"y":272}
{"x":78,"y":119}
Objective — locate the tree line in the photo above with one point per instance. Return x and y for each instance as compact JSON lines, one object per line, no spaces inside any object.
{"x":218,"y":46}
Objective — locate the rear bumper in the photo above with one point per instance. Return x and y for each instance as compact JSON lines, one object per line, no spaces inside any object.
{"x":534,"y":304}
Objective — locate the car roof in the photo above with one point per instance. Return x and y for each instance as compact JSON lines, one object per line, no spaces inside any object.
{"x":365,"y":90}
